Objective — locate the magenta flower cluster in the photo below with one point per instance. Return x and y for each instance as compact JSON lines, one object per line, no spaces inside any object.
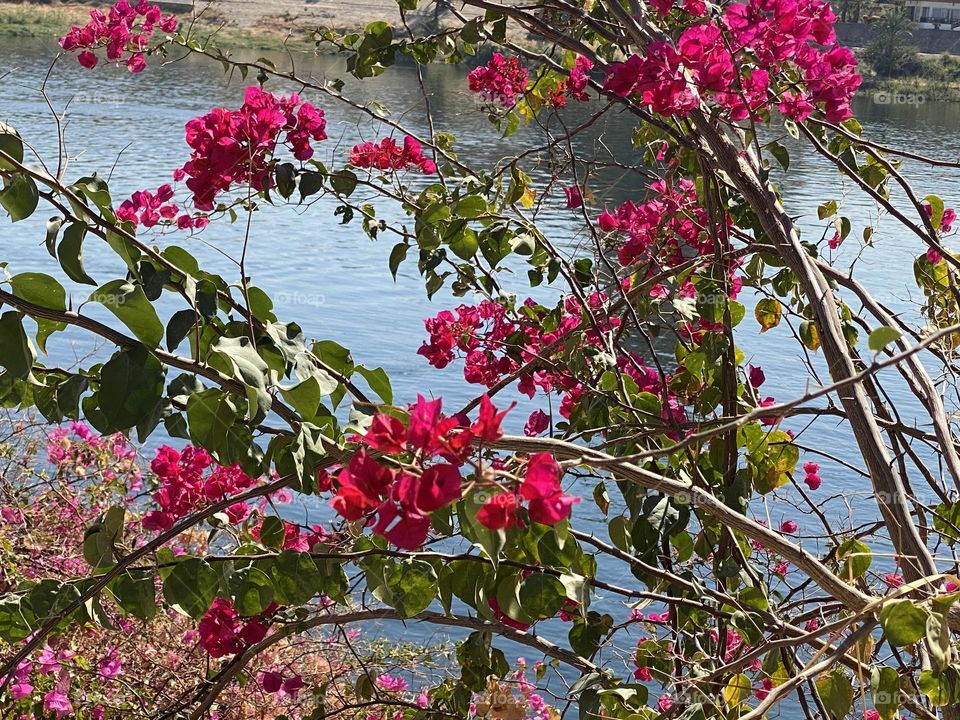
{"x":124,"y":31}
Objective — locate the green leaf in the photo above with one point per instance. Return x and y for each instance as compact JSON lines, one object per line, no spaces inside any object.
{"x":70,"y":253}
{"x":19,"y":197}
{"x":95,"y":189}
{"x":53,"y":230}
{"x":885,"y":691}
{"x":179,"y":326}
{"x":397,"y":256}
{"x":809,"y":335}
{"x":856,"y":558}
{"x":465,"y":244}
{"x":304,"y":397}
{"x":16,"y":620}
{"x":39,"y":289}
{"x":10,"y":144}
{"x":252,"y":590}
{"x":191,"y":587}
{"x":936,"y":687}
{"x":377,"y":35}
{"x":344,"y":182}
{"x":781,"y":154}
{"x":903,"y":622}
{"x":295,"y":577}
{"x":310,"y":184}
{"x":131,"y":387}
{"x":16,"y":352}
{"x":286,"y":179}
{"x":98,"y":547}
{"x":936,"y":210}
{"x":272,"y":532}
{"x":471,"y":206}
{"x":378,"y":381}
{"x":238,"y":359}
{"x":827,"y":209}
{"x":881,"y":337}
{"x":130,"y":305}
{"x":136,"y":595}
{"x":413,"y":586}
{"x":938,"y":639}
{"x":542,"y":595}
{"x":837,"y":694}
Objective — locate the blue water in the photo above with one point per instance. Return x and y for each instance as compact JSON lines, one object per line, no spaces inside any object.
{"x":334,"y":282}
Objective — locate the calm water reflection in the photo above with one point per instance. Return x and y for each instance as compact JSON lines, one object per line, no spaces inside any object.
{"x":334,"y":282}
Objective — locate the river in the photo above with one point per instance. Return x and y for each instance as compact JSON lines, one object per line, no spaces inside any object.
{"x":334,"y":282}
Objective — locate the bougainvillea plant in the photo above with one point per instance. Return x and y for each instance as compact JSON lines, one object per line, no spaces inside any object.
{"x":654,"y":538}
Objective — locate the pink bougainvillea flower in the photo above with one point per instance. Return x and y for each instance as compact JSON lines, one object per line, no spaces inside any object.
{"x":551,"y":510}
{"x":111,"y":666}
{"x":221,"y":631}
{"x":233,"y":148}
{"x":361,"y":486}
{"x":771,"y":419}
{"x":501,"y":80}
{"x":536,"y":423}
{"x":812,"y":479}
{"x":136,"y":63}
{"x":439,"y":486}
{"x":541,"y":486}
{"x":499,"y":512}
{"x":120,"y":31}
{"x":387,"y":155}
{"x":292,"y":686}
{"x":757,"y":378}
{"x":607,"y":222}
{"x":271,"y":681}
{"x":542,"y":479}
{"x":391,"y":683}
{"x":871,"y":714}
{"x":487,"y":425}
{"x":893,"y":580}
{"x":948,"y":219}
{"x":788,"y":526}
{"x":574,"y":198}
{"x":87,"y":59}
{"x":58,"y":703}
{"x":643,"y":674}
{"x":218,"y":630}
{"x":933,"y":256}
{"x":399,"y":520}
{"x":766,"y":685}
{"x":386,"y":434}
{"x":664,"y":703}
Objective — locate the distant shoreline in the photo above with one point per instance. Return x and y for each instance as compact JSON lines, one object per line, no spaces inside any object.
{"x":50,"y":22}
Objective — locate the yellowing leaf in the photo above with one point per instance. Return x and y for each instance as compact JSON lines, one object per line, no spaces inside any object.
{"x":736,"y":691}
{"x":768,"y":313}
{"x":528,"y":197}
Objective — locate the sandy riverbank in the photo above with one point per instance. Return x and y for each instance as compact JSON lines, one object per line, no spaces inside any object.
{"x":244,"y":22}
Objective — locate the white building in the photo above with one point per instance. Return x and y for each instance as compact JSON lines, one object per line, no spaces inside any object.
{"x":930,"y":14}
